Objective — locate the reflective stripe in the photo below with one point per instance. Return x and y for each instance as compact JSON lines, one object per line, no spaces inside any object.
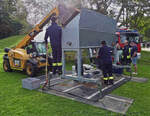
{"x":105,"y":79}
{"x":129,"y":50}
{"x":111,"y":77}
{"x":54,"y":64}
{"x":129,"y":56}
{"x":59,"y":64}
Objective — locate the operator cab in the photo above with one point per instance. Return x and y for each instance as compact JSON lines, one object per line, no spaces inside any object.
{"x":40,"y":48}
{"x":37,"y":48}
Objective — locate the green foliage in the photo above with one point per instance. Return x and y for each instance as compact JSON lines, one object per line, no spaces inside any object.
{"x":21,"y":17}
{"x":6,"y":23}
{"x":16,"y":101}
{"x":135,"y":15}
{"x":146,"y":27}
{"x":12,"y":22}
{"x":143,"y":25}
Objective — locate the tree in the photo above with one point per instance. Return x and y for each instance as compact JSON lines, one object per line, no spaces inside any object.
{"x":7,"y":7}
{"x":136,"y":15}
{"x":132,"y":10}
{"x":12,"y":21}
{"x":21,"y":16}
{"x":38,"y":9}
{"x":101,"y":6}
{"x":130,"y":13}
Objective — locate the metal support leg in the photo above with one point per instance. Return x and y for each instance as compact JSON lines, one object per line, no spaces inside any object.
{"x":49,"y":79}
{"x":99,"y":84}
{"x":79,"y":58}
{"x":63,"y":63}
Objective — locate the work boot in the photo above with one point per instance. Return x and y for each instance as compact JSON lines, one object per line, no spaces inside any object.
{"x":54,"y":72}
{"x":105,"y":80}
{"x":111,"y":80}
{"x":60,"y":73}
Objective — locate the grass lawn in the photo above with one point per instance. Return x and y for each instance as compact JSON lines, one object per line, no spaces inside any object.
{"x":16,"y":101}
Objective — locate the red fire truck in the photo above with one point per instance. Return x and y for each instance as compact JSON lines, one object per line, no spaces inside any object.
{"x":129,"y":35}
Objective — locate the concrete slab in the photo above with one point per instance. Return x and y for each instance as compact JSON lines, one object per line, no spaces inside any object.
{"x":108,"y":89}
{"x":89,"y":93}
{"x":65,"y":86}
{"x":109,"y":102}
{"x":115,"y":103}
{"x":83,"y":92}
{"x":139,"y":79}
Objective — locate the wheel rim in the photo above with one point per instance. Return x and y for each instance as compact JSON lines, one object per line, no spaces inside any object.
{"x":29,"y":70}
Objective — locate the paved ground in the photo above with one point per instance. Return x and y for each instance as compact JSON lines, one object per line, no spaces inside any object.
{"x":86,"y":93}
{"x":146,"y":49}
{"x":89,"y":93}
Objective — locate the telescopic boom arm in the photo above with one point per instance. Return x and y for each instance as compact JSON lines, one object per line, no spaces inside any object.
{"x":37,"y":29}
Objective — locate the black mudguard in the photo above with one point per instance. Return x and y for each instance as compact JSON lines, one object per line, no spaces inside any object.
{"x":34,"y":63}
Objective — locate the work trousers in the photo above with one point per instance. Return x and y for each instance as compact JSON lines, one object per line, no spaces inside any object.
{"x":107,"y":69}
{"x":125,"y":60}
{"x":57,"y":58}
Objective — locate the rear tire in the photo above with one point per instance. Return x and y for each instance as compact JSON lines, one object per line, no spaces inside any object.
{"x":30,"y":70}
{"x":6,"y":66}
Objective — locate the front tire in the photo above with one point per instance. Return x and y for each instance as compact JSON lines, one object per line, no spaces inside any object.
{"x":6,"y":66}
{"x":30,"y":70}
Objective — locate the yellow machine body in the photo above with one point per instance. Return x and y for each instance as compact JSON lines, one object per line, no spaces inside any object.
{"x":18,"y":54}
{"x":18,"y":58}
{"x":22,"y":57}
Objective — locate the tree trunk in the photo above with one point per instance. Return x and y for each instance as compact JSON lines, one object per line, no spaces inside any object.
{"x":120,"y":12}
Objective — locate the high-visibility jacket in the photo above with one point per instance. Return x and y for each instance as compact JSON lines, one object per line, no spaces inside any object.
{"x":126,"y":52}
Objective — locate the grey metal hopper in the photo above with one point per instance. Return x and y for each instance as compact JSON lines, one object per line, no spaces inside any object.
{"x":87,"y":30}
